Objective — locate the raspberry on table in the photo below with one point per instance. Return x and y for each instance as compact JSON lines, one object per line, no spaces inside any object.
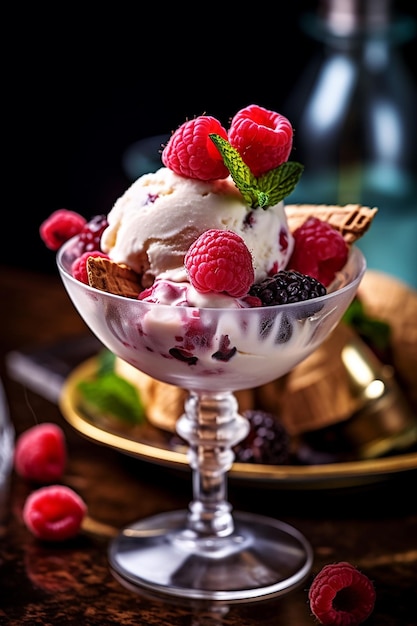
{"x":319,"y":250}
{"x":263,"y":138}
{"x":54,"y":513}
{"x":191,"y":153}
{"x":340,"y":594}
{"x":219,"y":261}
{"x":40,"y":453}
{"x":79,"y":265}
{"x":60,"y":226}
{"x":287,"y":286}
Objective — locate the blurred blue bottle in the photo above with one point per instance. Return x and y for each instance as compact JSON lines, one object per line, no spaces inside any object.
{"x":354,"y":111}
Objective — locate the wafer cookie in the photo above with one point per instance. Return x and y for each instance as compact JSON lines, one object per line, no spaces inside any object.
{"x":351,"y":220}
{"x":112,"y":277}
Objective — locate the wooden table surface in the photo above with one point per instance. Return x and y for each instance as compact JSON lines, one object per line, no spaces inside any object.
{"x":374,"y":526}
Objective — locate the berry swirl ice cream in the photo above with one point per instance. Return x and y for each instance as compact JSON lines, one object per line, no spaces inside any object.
{"x":156,"y":220}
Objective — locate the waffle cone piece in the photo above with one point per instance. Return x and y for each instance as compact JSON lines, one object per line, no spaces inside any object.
{"x":316,"y":393}
{"x":116,"y":278}
{"x":392,"y":301}
{"x":351,"y":220}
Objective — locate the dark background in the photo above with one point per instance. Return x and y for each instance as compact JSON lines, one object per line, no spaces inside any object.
{"x":81,"y":88}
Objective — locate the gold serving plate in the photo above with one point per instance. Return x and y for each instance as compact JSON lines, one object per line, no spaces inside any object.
{"x":151,"y":444}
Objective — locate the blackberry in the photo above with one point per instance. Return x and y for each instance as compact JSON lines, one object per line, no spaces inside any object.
{"x":287,"y":286}
{"x":90,"y":236}
{"x":267,"y":442}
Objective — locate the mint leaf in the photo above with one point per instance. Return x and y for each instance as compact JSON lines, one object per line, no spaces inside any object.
{"x":265,"y":191}
{"x":243,"y":178}
{"x":112,"y":394}
{"x":278,"y":183}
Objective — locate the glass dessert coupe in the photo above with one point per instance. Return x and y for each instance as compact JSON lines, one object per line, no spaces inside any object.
{"x":209,"y":552}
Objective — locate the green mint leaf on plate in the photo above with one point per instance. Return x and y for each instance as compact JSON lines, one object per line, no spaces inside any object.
{"x":268,"y":189}
{"x":110,"y":394}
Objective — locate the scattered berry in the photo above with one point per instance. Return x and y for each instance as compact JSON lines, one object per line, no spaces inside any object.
{"x":219,"y":261}
{"x":341,"y":595}
{"x":40,"y":453}
{"x":263,"y":138}
{"x":319,"y":250}
{"x":287,"y":286}
{"x":267,"y":442}
{"x":60,"y":226}
{"x":79,"y":265}
{"x":191,"y":153}
{"x":90,"y":235}
{"x":54,"y":513}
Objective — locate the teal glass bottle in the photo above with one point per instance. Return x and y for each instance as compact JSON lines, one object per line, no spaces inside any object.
{"x":354,"y":111}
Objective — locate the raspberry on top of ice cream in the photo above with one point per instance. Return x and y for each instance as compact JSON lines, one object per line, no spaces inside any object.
{"x":261,"y":139}
{"x":208,"y":182}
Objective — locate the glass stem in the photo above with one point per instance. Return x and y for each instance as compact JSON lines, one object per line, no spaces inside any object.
{"x":212,"y":426}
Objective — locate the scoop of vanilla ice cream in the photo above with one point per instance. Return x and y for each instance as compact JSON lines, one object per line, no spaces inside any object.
{"x":152,"y":225}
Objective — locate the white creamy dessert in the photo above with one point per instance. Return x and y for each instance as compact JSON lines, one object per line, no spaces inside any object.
{"x":153,"y":224}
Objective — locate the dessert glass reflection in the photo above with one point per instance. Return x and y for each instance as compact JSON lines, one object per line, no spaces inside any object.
{"x":209,"y":551}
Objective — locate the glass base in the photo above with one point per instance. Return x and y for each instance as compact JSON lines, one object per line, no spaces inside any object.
{"x":262,"y":557}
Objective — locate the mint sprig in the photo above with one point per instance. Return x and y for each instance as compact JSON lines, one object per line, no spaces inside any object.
{"x":263,"y":191}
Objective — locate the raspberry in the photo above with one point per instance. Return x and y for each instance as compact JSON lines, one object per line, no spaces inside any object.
{"x":319,"y":250}
{"x":191,"y":153}
{"x":40,"y":453}
{"x":341,"y":595}
{"x":287,"y":286}
{"x":267,"y":442}
{"x":60,"y":226}
{"x":90,"y":236}
{"x":79,"y":266}
{"x":54,"y":513}
{"x":263,"y":138}
{"x":219,"y":261}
